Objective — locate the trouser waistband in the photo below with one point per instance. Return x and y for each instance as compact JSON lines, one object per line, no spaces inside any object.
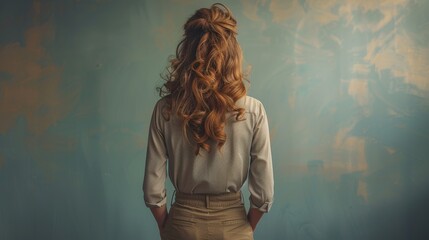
{"x":209,"y":200}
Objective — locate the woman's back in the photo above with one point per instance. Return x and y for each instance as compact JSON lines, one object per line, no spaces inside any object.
{"x":212,"y":135}
{"x":217,"y":171}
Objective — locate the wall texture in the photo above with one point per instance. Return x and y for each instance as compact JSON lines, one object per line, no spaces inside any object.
{"x":344,"y":82}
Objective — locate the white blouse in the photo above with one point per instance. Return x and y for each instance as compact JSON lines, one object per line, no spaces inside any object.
{"x":246,"y":154}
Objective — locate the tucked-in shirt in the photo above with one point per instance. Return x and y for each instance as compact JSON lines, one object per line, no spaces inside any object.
{"x":246,"y":154}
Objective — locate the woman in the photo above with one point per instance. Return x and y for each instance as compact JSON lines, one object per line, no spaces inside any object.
{"x":213,"y":136}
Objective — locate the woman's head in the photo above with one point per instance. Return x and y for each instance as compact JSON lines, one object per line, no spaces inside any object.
{"x":205,"y":78}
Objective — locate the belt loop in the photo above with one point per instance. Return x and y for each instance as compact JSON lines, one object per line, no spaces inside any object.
{"x":207,"y":201}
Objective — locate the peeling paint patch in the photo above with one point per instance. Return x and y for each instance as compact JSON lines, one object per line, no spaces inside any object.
{"x":358,"y":14}
{"x":34,"y":87}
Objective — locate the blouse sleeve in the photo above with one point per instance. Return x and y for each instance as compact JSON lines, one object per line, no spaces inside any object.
{"x":261,"y":180}
{"x":156,"y":161}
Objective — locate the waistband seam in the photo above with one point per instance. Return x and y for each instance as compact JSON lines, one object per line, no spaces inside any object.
{"x":209,"y":200}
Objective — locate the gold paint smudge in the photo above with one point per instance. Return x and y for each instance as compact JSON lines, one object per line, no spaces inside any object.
{"x":291,"y":101}
{"x":316,"y":11}
{"x":362,"y":190}
{"x":416,"y":61}
{"x":390,"y":150}
{"x":140,"y":141}
{"x":251,"y":8}
{"x":358,"y":89}
{"x":33,"y":87}
{"x":49,"y":143}
{"x":283,"y":10}
{"x":403,"y":58}
{"x":349,"y":153}
{"x":387,"y":10}
{"x":360,"y":69}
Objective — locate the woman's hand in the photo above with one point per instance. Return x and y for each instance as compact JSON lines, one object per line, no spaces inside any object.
{"x":253,"y":217}
{"x":160,"y":214}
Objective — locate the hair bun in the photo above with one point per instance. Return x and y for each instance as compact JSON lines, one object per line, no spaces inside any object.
{"x":217,"y":19}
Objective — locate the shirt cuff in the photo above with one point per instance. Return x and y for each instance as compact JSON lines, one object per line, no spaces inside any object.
{"x":265,"y":207}
{"x":158,"y":204}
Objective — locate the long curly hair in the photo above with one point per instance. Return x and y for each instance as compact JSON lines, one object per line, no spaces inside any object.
{"x":205,"y":79}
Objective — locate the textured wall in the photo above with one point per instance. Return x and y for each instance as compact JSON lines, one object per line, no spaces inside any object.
{"x":345,"y":84}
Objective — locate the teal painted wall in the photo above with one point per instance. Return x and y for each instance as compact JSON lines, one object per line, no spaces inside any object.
{"x":344,"y":82}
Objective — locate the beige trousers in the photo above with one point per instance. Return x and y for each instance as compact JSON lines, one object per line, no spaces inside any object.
{"x":207,"y":217}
